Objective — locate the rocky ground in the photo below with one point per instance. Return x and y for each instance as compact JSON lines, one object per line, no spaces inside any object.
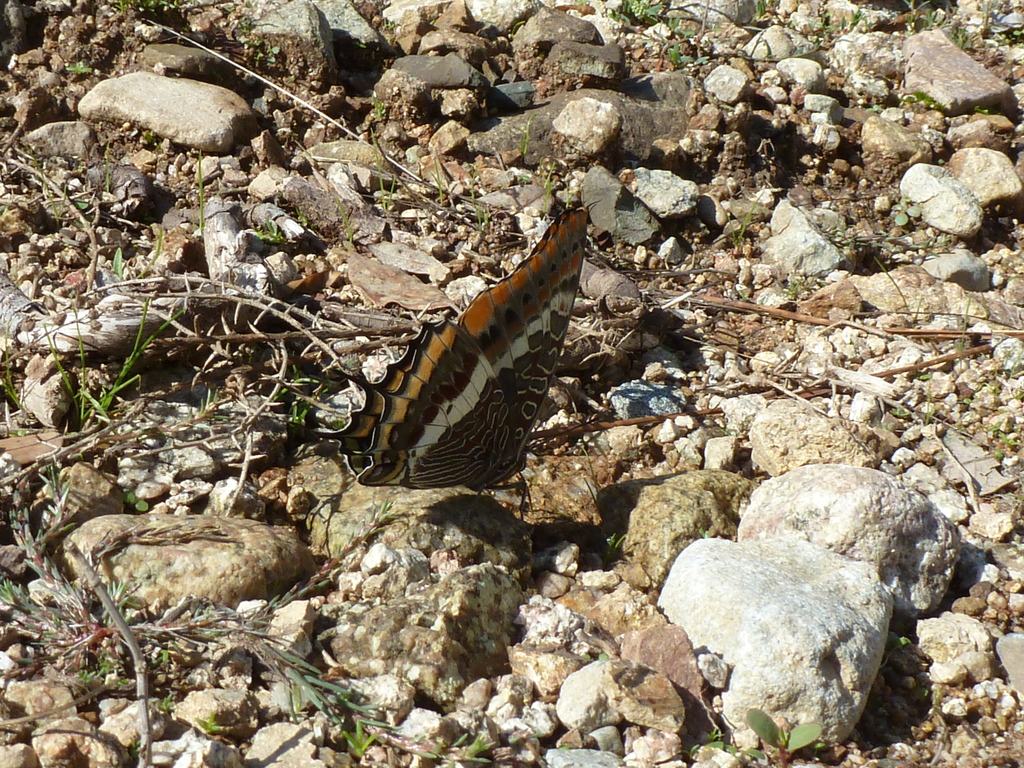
{"x":779,"y":469}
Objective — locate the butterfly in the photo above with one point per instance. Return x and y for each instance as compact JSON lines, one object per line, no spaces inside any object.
{"x":458,"y":407}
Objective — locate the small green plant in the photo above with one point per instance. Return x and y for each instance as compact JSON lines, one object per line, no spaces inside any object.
{"x":524,"y":140}
{"x":261,"y":52}
{"x":117,"y":264}
{"x":201,"y":194}
{"x":79,"y":68}
{"x":139,"y":505}
{"x":270,"y":233}
{"x":358,"y":740}
{"x":613,"y":547}
{"x":922,"y":98}
{"x":641,"y":11}
{"x":785,"y":743}
{"x":903,"y":211}
{"x":10,"y":389}
{"x":209,"y":725}
{"x":148,"y":6}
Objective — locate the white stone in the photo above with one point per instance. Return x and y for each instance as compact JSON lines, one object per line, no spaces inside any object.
{"x":726,"y":83}
{"x":803,"y":628}
{"x":805,"y":73}
{"x":946,"y":203}
{"x":589,"y":124}
{"x":797,"y":246}
{"x":667,"y":195}
{"x":867,"y":515}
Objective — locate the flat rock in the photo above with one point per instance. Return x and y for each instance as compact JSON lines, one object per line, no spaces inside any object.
{"x":184,"y":61}
{"x":441,"y":71}
{"x":439,"y":638}
{"x":961,"y":267}
{"x":815,"y":664}
{"x":216,"y":118}
{"x":569,"y":59}
{"x":503,"y":15}
{"x":71,"y":138}
{"x":1010,"y":649}
{"x":305,"y":41}
{"x":866,"y":515}
{"x":667,"y":195}
{"x":225,"y":560}
{"x":943,"y":72}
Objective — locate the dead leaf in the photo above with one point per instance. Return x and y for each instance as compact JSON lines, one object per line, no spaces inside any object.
{"x":409,"y":260}
{"x":381,"y":285}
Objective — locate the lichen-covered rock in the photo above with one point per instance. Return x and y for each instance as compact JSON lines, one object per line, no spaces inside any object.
{"x":439,"y":639}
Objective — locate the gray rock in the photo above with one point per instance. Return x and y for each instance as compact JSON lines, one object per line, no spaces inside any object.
{"x":282,"y":745}
{"x":547,"y":27}
{"x":960,"y":267}
{"x":943,"y":72}
{"x":866,"y":515}
{"x":441,"y":71}
{"x":797,"y":246}
{"x":1010,"y":649}
{"x":512,"y":96}
{"x":804,"y":73}
{"x":614,"y":209}
{"x":13,"y":29}
{"x":184,"y":60}
{"x":216,"y":118}
{"x":829,"y":108}
{"x":946,"y":203}
{"x":305,"y":40}
{"x":640,"y":398}
{"x":989,"y":174}
{"x":348,"y":26}
{"x":803,"y":628}
{"x":726,"y":83}
{"x":571,"y":59}
{"x":715,"y":12}
{"x":1010,"y":354}
{"x":62,"y":139}
{"x":581,"y":758}
{"x":868,"y":60}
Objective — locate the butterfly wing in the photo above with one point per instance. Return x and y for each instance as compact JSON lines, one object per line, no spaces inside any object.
{"x":457,"y":408}
{"x":421,"y":400}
